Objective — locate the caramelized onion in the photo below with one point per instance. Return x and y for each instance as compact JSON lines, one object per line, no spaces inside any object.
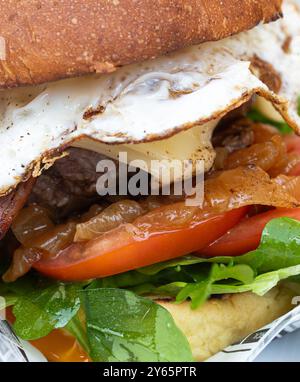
{"x":22,"y":262}
{"x":286,"y":165}
{"x":262,"y":132}
{"x":290,"y":184}
{"x":264,"y":155}
{"x":47,"y":244}
{"x":268,"y":150}
{"x":93,"y":211}
{"x":125,"y":211}
{"x":57,"y":239}
{"x":245,"y":186}
{"x":31,"y":222}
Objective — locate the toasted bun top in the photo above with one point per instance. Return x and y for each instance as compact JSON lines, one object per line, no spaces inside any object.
{"x":46,"y":40}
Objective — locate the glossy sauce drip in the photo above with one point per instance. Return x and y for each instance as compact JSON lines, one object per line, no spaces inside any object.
{"x":59,"y":346}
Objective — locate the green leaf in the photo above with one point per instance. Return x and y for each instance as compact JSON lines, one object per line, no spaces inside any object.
{"x":41,"y":311}
{"x":77,"y":328}
{"x":200,"y":292}
{"x":122,"y":326}
{"x":242,"y":273}
{"x":175,"y":263}
{"x":262,"y":283}
{"x":128,"y":279}
{"x":167,"y":290}
{"x":257,"y":116}
{"x":265,"y":282}
{"x":19,"y":287}
{"x":204,"y":276}
{"x":276,"y":259}
{"x":279,"y":248}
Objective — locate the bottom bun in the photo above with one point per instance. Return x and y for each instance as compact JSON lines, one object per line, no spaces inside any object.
{"x":227,"y":320}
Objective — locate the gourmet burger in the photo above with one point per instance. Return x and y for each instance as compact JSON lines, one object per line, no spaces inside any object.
{"x":129,"y":276}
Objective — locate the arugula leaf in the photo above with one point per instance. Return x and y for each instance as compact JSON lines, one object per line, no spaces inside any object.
{"x":187,"y":278}
{"x":265,"y":282}
{"x":167,"y":290}
{"x":122,"y":326}
{"x":277,"y":258}
{"x":134,"y":280}
{"x":262,"y":283}
{"x":257,"y":116}
{"x":279,"y":247}
{"x":122,"y":280}
{"x":175,"y":263}
{"x":21,"y":286}
{"x":77,"y":328}
{"x":200,"y":292}
{"x":41,"y":311}
{"x":10,"y":292}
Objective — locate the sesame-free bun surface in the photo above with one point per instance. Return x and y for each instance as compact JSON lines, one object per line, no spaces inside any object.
{"x":46,"y":40}
{"x":225,"y":321}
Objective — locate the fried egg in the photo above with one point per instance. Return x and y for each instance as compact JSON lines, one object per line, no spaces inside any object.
{"x":164,"y":108}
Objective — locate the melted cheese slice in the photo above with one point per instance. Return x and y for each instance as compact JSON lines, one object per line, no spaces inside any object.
{"x":191,"y":145}
{"x":267,"y":109}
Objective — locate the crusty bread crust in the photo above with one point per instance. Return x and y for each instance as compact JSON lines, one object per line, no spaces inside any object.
{"x":48,"y":39}
{"x":223,"y":322}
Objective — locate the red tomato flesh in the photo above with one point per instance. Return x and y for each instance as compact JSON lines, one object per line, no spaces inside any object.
{"x":246,"y":236}
{"x":121,"y":250}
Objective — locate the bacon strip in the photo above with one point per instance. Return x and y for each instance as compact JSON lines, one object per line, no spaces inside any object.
{"x":12,"y":203}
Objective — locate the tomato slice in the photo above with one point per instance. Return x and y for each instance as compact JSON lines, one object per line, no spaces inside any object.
{"x":123,"y":249}
{"x":295,"y":171}
{"x":293,"y":147}
{"x":246,"y":235}
{"x":292,"y":142}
